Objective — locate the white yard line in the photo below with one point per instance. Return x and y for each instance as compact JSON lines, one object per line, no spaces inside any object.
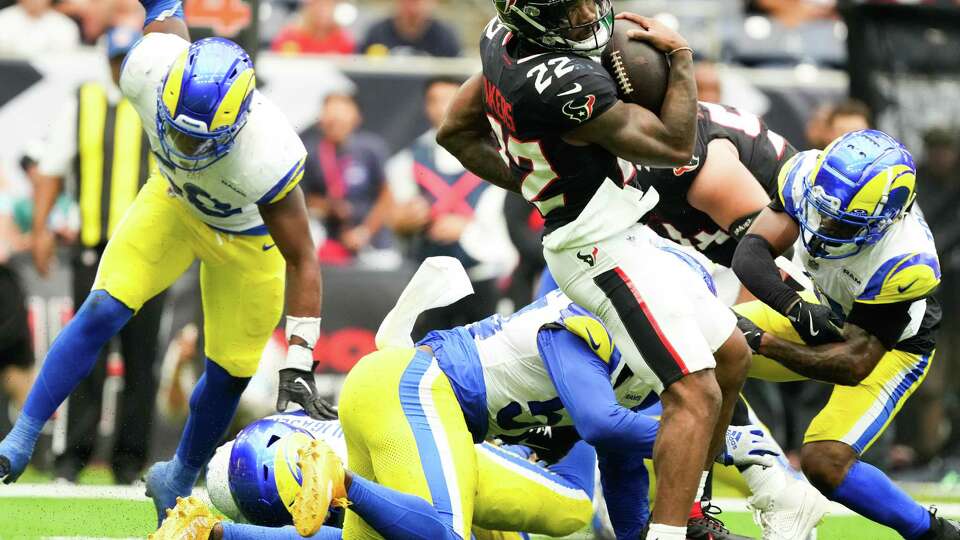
{"x":740,"y":505}
{"x":67,"y":491}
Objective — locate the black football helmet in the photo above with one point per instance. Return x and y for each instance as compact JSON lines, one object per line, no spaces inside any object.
{"x":559,"y":25}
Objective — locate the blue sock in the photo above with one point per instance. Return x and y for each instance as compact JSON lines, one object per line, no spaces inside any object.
{"x":578,"y":467}
{"x":547,"y":284}
{"x":396,"y":515}
{"x":238,"y":531}
{"x":212,"y":406}
{"x":868,"y":492}
{"x":74,"y":352}
{"x":70,"y":359}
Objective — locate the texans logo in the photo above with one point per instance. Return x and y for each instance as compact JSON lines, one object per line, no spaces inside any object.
{"x":580,"y":112}
{"x":692,"y":166}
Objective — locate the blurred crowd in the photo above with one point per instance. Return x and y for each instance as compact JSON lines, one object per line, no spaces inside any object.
{"x":377,"y":209}
{"x":752,"y":32}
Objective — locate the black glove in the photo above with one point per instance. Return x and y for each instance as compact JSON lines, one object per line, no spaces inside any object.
{"x":298,"y":386}
{"x":752,"y":332}
{"x":817,"y":324}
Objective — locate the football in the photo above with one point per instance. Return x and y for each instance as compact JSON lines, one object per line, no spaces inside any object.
{"x":640,"y":70}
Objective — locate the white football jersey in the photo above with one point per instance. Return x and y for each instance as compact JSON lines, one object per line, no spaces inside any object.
{"x":266,"y":158}
{"x":902,"y":266}
{"x":519,"y":391}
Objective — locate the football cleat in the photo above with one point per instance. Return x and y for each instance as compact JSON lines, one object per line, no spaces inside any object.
{"x":706,"y":526}
{"x":323,"y":485}
{"x":942,"y":528}
{"x":792,"y":514}
{"x":190,"y":519}
{"x":158,"y":488}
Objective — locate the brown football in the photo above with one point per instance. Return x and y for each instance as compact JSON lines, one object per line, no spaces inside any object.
{"x":640,"y":70}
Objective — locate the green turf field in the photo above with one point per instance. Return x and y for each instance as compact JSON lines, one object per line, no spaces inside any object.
{"x":23,"y":518}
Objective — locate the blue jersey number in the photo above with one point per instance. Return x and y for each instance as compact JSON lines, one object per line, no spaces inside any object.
{"x":507,"y":417}
{"x":206,"y":203}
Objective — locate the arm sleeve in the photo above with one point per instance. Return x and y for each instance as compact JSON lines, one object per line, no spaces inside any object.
{"x":626,"y":487}
{"x":582,"y":381}
{"x":576,"y":98}
{"x":754,"y":265}
{"x":158,"y":10}
{"x":885,"y":322}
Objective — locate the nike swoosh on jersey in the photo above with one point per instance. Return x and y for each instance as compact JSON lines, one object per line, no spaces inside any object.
{"x":902,"y":289}
{"x":576,"y":89}
{"x":593,"y":344}
{"x":267,"y":247}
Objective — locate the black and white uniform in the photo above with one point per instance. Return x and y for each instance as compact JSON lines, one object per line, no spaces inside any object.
{"x":663,"y":317}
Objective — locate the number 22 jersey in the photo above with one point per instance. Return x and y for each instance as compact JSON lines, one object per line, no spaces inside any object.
{"x":532,"y":98}
{"x":265,"y":163}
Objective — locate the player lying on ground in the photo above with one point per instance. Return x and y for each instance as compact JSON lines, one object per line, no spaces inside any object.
{"x":560,"y":128}
{"x":558,"y":497}
{"x":226,"y":193}
{"x":411,"y":416}
{"x":870,"y":327}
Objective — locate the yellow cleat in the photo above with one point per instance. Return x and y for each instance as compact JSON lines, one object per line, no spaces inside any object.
{"x":190,"y":519}
{"x":322,"y":485}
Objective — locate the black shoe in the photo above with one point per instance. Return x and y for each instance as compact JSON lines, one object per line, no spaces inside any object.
{"x":708,"y":527}
{"x":942,"y":528}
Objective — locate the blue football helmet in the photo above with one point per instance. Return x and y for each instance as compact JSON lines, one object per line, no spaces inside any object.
{"x":203,"y":102}
{"x":263,"y":474}
{"x":857,"y":188}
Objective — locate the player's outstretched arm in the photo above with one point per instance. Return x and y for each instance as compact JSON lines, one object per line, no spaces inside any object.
{"x":165,"y":16}
{"x":287,"y":222}
{"x":466,"y":133}
{"x":726,"y":190}
{"x":634,"y":133}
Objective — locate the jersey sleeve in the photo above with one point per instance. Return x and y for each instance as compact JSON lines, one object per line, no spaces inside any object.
{"x":573,"y":91}
{"x":285,"y":184}
{"x":909,"y":276}
{"x":146,"y":65}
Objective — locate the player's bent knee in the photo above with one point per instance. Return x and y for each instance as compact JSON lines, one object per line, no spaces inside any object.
{"x":697,"y":393}
{"x":825,"y":463}
{"x":575,"y":516}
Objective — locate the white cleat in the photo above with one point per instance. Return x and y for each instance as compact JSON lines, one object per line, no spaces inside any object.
{"x":791,"y":514}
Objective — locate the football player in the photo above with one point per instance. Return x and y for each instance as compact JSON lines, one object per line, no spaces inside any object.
{"x":411,"y":417}
{"x":226,"y":193}
{"x":255,"y":479}
{"x":869,"y":328}
{"x":561,"y":127}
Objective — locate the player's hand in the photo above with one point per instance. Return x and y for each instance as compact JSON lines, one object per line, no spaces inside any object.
{"x":298,"y":386}
{"x":817,"y":324}
{"x":44,"y":245}
{"x":747,"y":445}
{"x":655,"y":33}
{"x":752,"y":332}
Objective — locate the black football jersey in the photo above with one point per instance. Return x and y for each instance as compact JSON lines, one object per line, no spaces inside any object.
{"x":532,"y":101}
{"x":762,"y":152}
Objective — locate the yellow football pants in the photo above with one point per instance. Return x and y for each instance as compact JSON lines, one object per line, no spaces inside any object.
{"x":405,"y":430}
{"x":241,"y":277}
{"x":855,"y":415}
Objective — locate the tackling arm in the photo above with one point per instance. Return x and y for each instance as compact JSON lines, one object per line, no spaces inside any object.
{"x":724,"y":188}
{"x":466,"y":133}
{"x":753,"y":261}
{"x":845,"y":363}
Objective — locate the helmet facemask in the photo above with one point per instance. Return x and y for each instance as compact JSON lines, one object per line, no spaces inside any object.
{"x":831,"y":233}
{"x":188,"y":145}
{"x":578,"y":26}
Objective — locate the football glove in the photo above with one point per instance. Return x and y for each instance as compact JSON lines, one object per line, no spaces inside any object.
{"x":751,"y":332}
{"x":817,"y":324}
{"x":298,"y":386}
{"x":747,"y":445}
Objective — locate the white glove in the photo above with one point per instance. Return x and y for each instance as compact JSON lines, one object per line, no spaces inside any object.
{"x":748,"y":445}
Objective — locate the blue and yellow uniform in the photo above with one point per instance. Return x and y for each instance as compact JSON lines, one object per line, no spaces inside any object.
{"x":412,"y":416}
{"x":210,"y":213}
{"x":883,"y":283}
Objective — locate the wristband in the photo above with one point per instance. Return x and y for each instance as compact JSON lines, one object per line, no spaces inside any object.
{"x":305,"y":328}
{"x":299,"y":357}
{"x":678,"y":49}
